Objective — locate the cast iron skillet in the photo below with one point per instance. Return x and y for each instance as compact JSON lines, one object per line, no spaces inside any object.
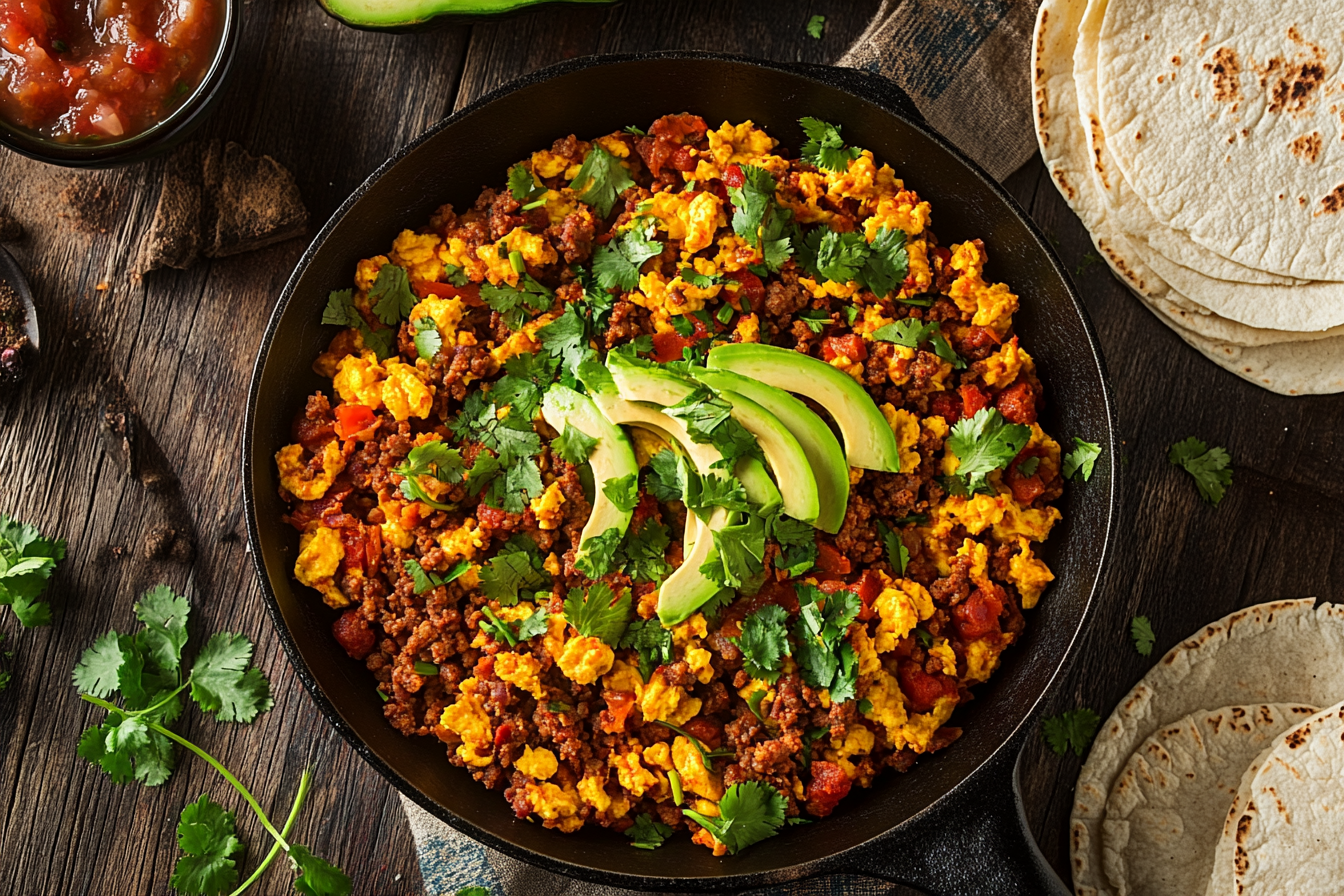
{"x":953,"y":824}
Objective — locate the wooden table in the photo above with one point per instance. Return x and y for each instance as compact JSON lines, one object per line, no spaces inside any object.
{"x":331,"y":104}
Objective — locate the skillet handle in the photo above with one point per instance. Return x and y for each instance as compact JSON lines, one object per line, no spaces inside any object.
{"x":975,"y":842}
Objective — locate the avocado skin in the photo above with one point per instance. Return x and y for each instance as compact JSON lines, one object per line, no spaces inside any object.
{"x":450,"y":12}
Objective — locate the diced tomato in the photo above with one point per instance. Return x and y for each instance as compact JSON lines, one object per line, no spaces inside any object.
{"x":678,"y":127}
{"x":668,"y":346}
{"x":733,"y":176}
{"x":619,"y":704}
{"x":471,"y":293}
{"x":831,"y":561}
{"x":869,"y":586}
{"x":944,"y":255}
{"x":705,"y":730}
{"x":851,"y":346}
{"x":1017,"y":403}
{"x":978,"y":615}
{"x":352,"y":419}
{"x":503,"y":734}
{"x":973,"y":400}
{"x":976,"y":339}
{"x":146,"y":56}
{"x":1025,"y":488}
{"x":351,"y":630}
{"x":494,"y":518}
{"x":647,"y":508}
{"x":829,"y":785}
{"x":921,"y":689}
{"x":946,"y":405}
{"x":752,"y":289}
{"x":683,"y":159}
{"x":356,"y":552}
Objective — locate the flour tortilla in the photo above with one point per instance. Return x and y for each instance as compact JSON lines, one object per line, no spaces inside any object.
{"x":1126,"y":210}
{"x":1280,"y":652}
{"x":1167,"y":809}
{"x":1199,"y":320}
{"x":1221,"y":881}
{"x":1184,"y":142}
{"x":1288,"y":836}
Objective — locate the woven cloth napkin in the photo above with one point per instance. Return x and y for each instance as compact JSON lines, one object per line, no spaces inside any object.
{"x":964,"y":63}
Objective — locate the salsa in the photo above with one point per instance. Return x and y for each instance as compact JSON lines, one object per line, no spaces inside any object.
{"x":81,"y":71}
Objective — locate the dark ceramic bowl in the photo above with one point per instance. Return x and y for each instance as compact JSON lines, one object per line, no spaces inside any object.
{"x":156,"y":139}
{"x":952,"y":824}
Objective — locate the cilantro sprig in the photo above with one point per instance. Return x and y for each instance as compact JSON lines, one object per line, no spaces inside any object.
{"x":515,"y":304}
{"x":897,"y":555}
{"x":516,"y":567}
{"x":1071,"y":730}
{"x":984,"y":443}
{"x":764,"y":642}
{"x":341,"y":312}
{"x":134,"y":742}
{"x":1081,"y":459}
{"x":748,"y":813}
{"x":881,"y":266}
{"x":1211,"y":467}
{"x":824,"y":147}
{"x":826,"y":657}
{"x":651,"y":641}
{"x":758,"y":218}
{"x":512,"y":474}
{"x":425,"y":580}
{"x":517,"y":631}
{"x":27,"y":560}
{"x":647,"y":833}
{"x":616,"y":265}
{"x":430,"y":459}
{"x":1141,"y":633}
{"x":600,"y":180}
{"x":598,"y":613}
{"x":912,"y":334}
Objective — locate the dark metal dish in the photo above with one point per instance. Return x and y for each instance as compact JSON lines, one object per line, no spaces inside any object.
{"x":953,"y":824}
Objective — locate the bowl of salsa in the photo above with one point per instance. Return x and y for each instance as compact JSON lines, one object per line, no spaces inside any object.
{"x":102,"y":82}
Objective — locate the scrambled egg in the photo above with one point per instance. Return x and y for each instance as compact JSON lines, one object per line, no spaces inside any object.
{"x":866,"y":650}
{"x":593,"y":791}
{"x":556,"y":804}
{"x":902,"y":605}
{"x":735,"y":254}
{"x":394,"y":532}
{"x":661,"y":702}
{"x":400,"y":387}
{"x":304,"y":483}
{"x":546,"y":507}
{"x":905,"y":425}
{"x":976,"y":513}
{"x":418,"y":253}
{"x":902,"y":211}
{"x":535,"y":249}
{"x":992,"y":306}
{"x":749,"y":328}
{"x":858,"y":741}
{"x":358,"y":380}
{"x":699,"y":660}
{"x":1030,"y":523}
{"x":692,"y":628}
{"x":741,"y":144}
{"x":982,"y":658}
{"x":624,"y":677}
{"x":320,"y":556}
{"x":1002,"y":367}
{"x":979,"y":556}
{"x":366,"y":271}
{"x":445,"y":312}
{"x":631,"y":773}
{"x":903,"y":729}
{"x":463,"y":542}
{"x":547,"y":164}
{"x":523,"y":341}
{"x":658,"y":755}
{"x":672,"y":297}
{"x":522,"y":671}
{"x":539,"y":763}
{"x":1029,"y":574}
{"x":585,"y":659}
{"x":695,"y":778}
{"x":863,"y":182}
{"x":468,"y":719}
{"x":693,"y":220}
{"x":942,"y":651}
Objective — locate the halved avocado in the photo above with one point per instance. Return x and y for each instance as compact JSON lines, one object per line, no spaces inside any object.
{"x":788,"y":461}
{"x":824,"y":457}
{"x":869,"y":441}
{"x":687,"y":589}
{"x":611,"y":458}
{"x":417,"y":15}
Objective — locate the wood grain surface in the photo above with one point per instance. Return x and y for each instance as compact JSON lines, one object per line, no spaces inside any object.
{"x":331,"y":103}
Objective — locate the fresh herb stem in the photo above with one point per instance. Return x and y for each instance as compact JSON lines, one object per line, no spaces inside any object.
{"x":674,"y":779}
{"x":214,"y":763}
{"x":304,"y":782}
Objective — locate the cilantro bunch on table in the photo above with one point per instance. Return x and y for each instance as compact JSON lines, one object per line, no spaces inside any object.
{"x":27,"y":560}
{"x":135,"y":741}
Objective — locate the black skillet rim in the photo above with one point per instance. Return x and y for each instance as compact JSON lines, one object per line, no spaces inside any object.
{"x":834,"y":862}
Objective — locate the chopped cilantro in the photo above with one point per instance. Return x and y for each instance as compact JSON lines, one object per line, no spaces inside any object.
{"x":887,"y":264}
{"x":616,"y":265}
{"x":434,"y":459}
{"x":748,"y":813}
{"x":27,"y":561}
{"x":703,"y":494}
{"x":824,"y":148}
{"x":754,"y":703}
{"x":514,"y":302}
{"x":797,"y":541}
{"x":643,"y":554}
{"x":638,"y":132}
{"x":646,"y":833}
{"x":517,"y":566}
{"x":1071,"y":730}
{"x":1141,"y":631}
{"x":391,"y":295}
{"x":924,"y":638}
{"x":599,"y":555}
{"x":341,"y":311}
{"x":517,"y":631}
{"x":574,"y":445}
{"x":827,"y":659}
{"x":513,"y":476}
{"x":816,"y":26}
{"x":427,"y":338}
{"x":897,"y":555}
{"x":835,"y":256}
{"x":455,"y":275}
{"x":668,"y":476}
{"x":982,"y":444}
{"x":1210,"y":467}
{"x":653,"y":643}
{"x":945,"y":351}
{"x":1029,"y":466}
{"x":764,"y":642}
{"x":817,"y":320}
{"x":738,"y":553}
{"x":523,"y":184}
{"x":622,"y":492}
{"x":708,"y":419}
{"x":526,"y":377}
{"x":600,"y":180}
{"x":566,"y":338}
{"x":700,"y":281}
{"x":425,"y":580}
{"x":1082,"y":458}
{"x":759,"y":218}
{"x":909,"y":332}
{"x":851,"y":314}
{"x":598,"y":613}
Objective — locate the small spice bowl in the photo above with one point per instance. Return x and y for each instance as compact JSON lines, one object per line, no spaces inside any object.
{"x":16,"y":305}
{"x":156,"y":138}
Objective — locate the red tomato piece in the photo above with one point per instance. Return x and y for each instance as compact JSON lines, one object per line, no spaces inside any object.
{"x":752,"y":289}
{"x":146,"y":56}
{"x":978,"y":615}
{"x":503,"y":734}
{"x":944,"y":255}
{"x":683,"y":159}
{"x":831,"y":561}
{"x":946,"y":405}
{"x":352,"y":632}
{"x":851,"y":346}
{"x":678,"y":127}
{"x":352,"y":419}
{"x":733,"y":176}
{"x":647,"y":508}
{"x":869,"y":586}
{"x":705,"y":730}
{"x":668,"y":346}
{"x":829,"y":785}
{"x":619,"y":704}
{"x":1017,"y":403}
{"x":921,"y":689}
{"x":973,"y":399}
{"x":352,"y":539}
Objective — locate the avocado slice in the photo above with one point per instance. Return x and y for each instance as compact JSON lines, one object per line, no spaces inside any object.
{"x":869,"y":441}
{"x":611,"y":458}
{"x":687,"y":589}
{"x":824,"y":457}
{"x":756,"y":482}
{"x":793,"y":473}
{"x":417,"y":15}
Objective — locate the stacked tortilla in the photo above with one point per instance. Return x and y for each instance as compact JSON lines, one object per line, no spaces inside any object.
{"x":1202,"y":145}
{"x":1216,"y":774}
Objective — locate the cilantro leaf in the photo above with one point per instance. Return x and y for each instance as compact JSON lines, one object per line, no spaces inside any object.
{"x":897,"y":555}
{"x":127,"y":749}
{"x":515,"y":567}
{"x":596,"y":615}
{"x":574,"y":445}
{"x":523,"y":184}
{"x":748,"y":813}
{"x":434,"y":459}
{"x":1029,"y":466}
{"x":708,"y":419}
{"x":703,"y":494}
{"x":798,"y":544}
{"x":1141,"y":631}
{"x":824,"y":148}
{"x":643,"y":554}
{"x":1071,"y":730}
{"x":425,"y":580}
{"x":519,"y":630}
{"x":668,"y":475}
{"x":1083,"y":457}
{"x":839,"y":256}
{"x":622,"y":492}
{"x":652,"y":641}
{"x":815,"y":26}
{"x":164,"y":616}
{"x":647,"y":833}
{"x":514,"y":302}
{"x":817,"y":320}
{"x":597,"y":556}
{"x":752,"y":201}
{"x":616,"y":265}
{"x":909,"y":332}
{"x":887,"y":263}
{"x":211,"y":850}
{"x":1210,"y":467}
{"x":317,"y":877}
{"x":826,"y":658}
{"x":984,"y":443}
{"x":566,"y":339}
{"x":600,"y":179}
{"x":391,"y":295}
{"x":97,"y":671}
{"x":525,"y":380}
{"x":945,"y":351}
{"x":738,"y":555}
{"x":341,"y":312}
{"x":27,"y":561}
{"x":427,"y":338}
{"x":764,"y":642}
{"x":223,"y":682}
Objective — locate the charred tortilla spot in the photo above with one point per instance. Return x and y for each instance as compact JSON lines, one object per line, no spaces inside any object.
{"x":1225,"y":67}
{"x":1332,"y":201}
{"x":1307,"y":148}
